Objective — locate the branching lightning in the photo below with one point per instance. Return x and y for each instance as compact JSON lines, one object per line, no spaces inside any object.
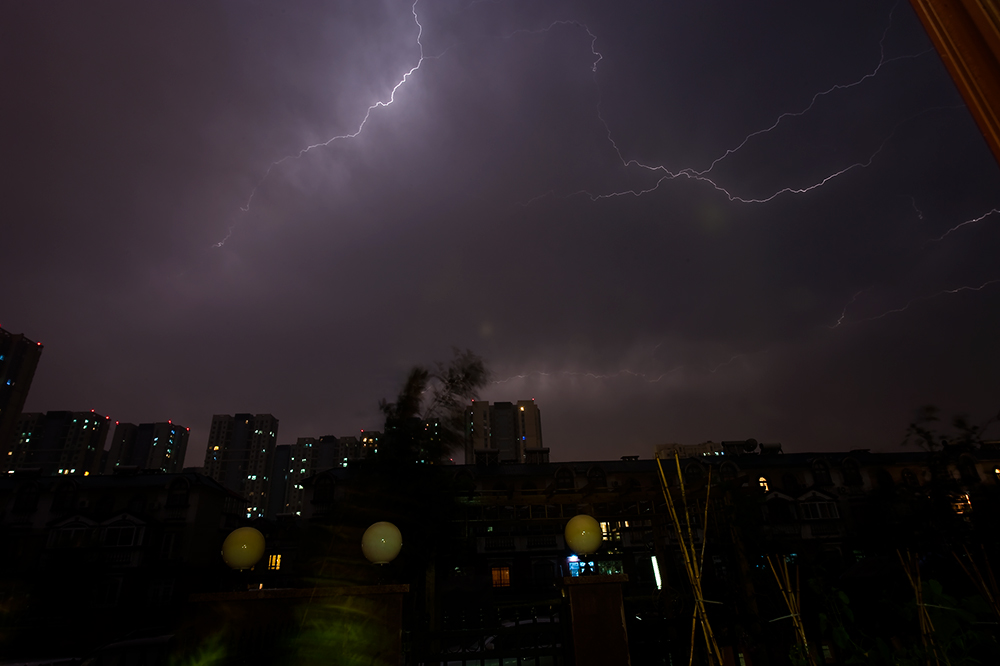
{"x":341,"y":137}
{"x":701,"y":175}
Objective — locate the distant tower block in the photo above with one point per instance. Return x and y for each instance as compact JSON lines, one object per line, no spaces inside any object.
{"x":504,"y":432}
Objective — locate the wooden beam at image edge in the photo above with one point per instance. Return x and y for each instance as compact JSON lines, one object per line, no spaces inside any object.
{"x":966,"y":34}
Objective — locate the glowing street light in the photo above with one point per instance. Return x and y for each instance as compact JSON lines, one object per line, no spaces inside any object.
{"x":243,"y":548}
{"x":381,"y":543}
{"x":583,"y":535}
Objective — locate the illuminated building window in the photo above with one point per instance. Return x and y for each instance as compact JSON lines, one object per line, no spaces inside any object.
{"x":501,"y":576}
{"x":274,"y":562}
{"x":763,"y":483}
{"x":962,"y":504}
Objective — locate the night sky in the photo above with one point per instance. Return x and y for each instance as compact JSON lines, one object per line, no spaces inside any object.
{"x":475,"y":210}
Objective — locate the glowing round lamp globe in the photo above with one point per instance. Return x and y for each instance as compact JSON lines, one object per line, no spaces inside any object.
{"x":583,"y":535}
{"x":381,"y":543}
{"x":243,"y":548}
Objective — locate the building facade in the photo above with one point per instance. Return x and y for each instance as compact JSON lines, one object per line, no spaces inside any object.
{"x":311,"y":455}
{"x":60,"y":443}
{"x":105,"y":555}
{"x":18,"y":359}
{"x":496,"y":593}
{"x":159,"y":446}
{"x":504,"y":432}
{"x":240,"y":456}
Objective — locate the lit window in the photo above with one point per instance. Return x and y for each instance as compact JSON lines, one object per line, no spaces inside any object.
{"x":501,"y":576}
{"x":763,"y":483}
{"x":274,"y":562}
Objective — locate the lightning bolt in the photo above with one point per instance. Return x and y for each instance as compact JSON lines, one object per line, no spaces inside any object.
{"x":928,"y":297}
{"x":341,"y":137}
{"x":693,"y":175}
{"x":701,"y":175}
{"x":834,"y":88}
{"x":849,"y":303}
{"x":725,"y":363}
{"x":920,"y":214}
{"x":593,"y":38}
{"x":962,"y":224}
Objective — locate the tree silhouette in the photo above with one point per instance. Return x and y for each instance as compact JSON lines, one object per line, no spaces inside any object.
{"x":418,"y":433}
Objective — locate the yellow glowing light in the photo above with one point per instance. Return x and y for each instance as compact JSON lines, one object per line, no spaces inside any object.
{"x":583,"y":534}
{"x":381,"y":543}
{"x":243,"y":548}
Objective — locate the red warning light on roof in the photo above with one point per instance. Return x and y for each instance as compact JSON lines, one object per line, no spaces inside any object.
{"x":116,"y":422}
{"x":39,"y":344}
{"x":169,"y":421}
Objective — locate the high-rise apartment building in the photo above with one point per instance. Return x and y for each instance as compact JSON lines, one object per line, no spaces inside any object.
{"x":504,"y":432}
{"x":311,"y":455}
{"x":148,"y":446}
{"x":240,"y":456}
{"x":279,"y":481}
{"x":60,"y":443}
{"x":18,"y":360}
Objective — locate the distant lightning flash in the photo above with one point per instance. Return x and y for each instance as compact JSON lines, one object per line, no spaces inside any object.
{"x":849,"y":303}
{"x":920,"y":213}
{"x":882,"y":61}
{"x":341,"y":137}
{"x":591,"y":375}
{"x":693,"y":175}
{"x":593,"y":38}
{"x":962,"y":224}
{"x":919,"y":299}
{"x":702,"y":175}
{"x":649,"y":378}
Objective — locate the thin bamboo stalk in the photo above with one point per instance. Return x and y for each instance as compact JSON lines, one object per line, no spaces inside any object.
{"x":911,"y":567}
{"x":792,"y":601}
{"x":691,"y":565}
{"x":987,"y":587}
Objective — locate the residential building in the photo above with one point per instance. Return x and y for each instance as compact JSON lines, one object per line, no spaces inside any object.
{"x":60,"y":443}
{"x":280,"y":478}
{"x":311,"y":455}
{"x":503,"y":566}
{"x":103,"y":556}
{"x":159,"y":446}
{"x":504,"y":432}
{"x":18,"y":359}
{"x":240,"y":456}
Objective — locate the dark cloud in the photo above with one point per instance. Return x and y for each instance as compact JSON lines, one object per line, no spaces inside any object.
{"x":463,"y":215}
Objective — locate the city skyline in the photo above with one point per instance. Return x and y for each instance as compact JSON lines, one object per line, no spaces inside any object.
{"x":664,"y":223}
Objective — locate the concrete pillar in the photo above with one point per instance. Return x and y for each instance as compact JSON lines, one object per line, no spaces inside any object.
{"x":597,"y":620}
